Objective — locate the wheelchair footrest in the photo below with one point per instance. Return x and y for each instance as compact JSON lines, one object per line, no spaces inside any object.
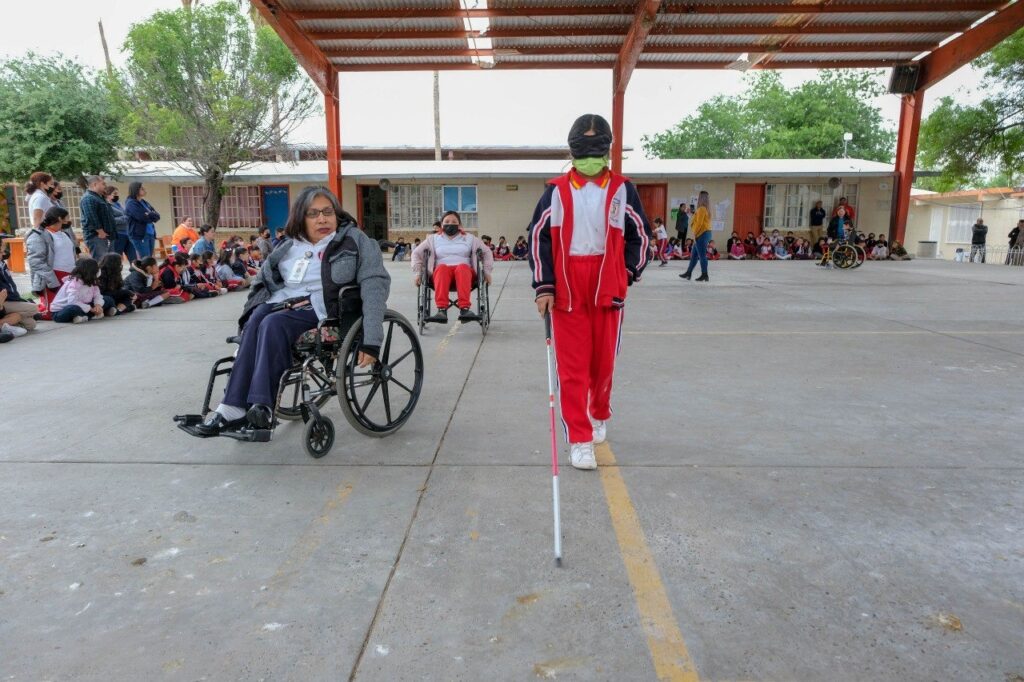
{"x":188,"y":423}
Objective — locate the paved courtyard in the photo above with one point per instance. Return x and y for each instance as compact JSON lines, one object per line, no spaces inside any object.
{"x":811,"y":476}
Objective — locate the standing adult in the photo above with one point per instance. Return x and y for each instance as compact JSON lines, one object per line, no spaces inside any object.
{"x":702,"y":234}
{"x":1013,"y":257}
{"x":682,"y":222}
{"x":844,"y":204}
{"x":57,"y":194}
{"x":98,"y":226}
{"x":51,"y":250}
{"x":589,"y":241}
{"x":37,"y":193}
{"x":120,"y":243}
{"x":140,"y":216}
{"x":979,"y":233}
{"x":818,"y":215}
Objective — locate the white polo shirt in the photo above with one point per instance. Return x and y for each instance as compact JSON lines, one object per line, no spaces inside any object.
{"x":454,"y":251}
{"x":590,"y":220}
{"x":63,"y":252}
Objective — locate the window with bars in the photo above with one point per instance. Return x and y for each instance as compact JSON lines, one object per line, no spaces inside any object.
{"x":788,"y":206}
{"x":239,"y":207}
{"x":70,"y":201}
{"x":417,"y":207}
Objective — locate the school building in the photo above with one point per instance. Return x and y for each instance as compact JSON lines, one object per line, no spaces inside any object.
{"x":402,"y":198}
{"x":947,"y":219}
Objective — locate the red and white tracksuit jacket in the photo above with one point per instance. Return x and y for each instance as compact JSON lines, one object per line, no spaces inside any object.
{"x":589,"y":290}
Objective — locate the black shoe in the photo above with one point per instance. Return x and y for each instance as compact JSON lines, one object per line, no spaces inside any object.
{"x":38,"y":316}
{"x":260,"y":416}
{"x":467,"y":315}
{"x":663,"y":264}
{"x":6,"y":336}
{"x":703,"y":278}
{"x":440,"y":317}
{"x":216,"y":423}
{"x":685,"y":275}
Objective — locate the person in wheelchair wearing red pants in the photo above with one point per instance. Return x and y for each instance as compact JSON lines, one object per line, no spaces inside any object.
{"x":451,"y":256}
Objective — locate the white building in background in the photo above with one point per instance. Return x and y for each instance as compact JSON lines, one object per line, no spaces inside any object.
{"x":947,"y":218}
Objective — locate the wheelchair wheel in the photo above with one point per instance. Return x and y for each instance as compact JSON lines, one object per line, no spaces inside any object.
{"x":422,"y":305}
{"x":379,"y":399}
{"x":483,"y":306}
{"x":861,"y":257}
{"x":318,"y":437}
{"x":844,"y":256}
{"x":289,"y":395}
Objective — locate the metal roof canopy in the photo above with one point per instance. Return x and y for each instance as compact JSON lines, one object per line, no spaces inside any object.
{"x":333,"y":36}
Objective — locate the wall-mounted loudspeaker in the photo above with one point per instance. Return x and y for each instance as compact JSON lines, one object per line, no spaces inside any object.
{"x":834,"y":182}
{"x":903,"y":80}
{"x":384,"y":184}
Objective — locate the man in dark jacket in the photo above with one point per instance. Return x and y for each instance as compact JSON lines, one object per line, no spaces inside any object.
{"x":978,"y":234}
{"x":98,"y":226}
{"x":682,"y":222}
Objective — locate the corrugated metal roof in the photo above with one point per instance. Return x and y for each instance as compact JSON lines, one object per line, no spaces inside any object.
{"x":316,"y":171}
{"x":386,"y":34}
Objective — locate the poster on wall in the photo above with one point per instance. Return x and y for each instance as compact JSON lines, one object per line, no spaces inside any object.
{"x":718,"y":218}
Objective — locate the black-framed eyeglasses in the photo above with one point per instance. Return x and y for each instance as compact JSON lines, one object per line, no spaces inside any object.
{"x":314,"y":212}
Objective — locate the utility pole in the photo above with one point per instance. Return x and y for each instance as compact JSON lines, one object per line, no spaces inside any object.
{"x":437,"y":116}
{"x":106,"y":52}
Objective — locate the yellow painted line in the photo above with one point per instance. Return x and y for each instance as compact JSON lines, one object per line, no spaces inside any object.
{"x":311,"y":538}
{"x":448,"y":337}
{"x":664,"y":639}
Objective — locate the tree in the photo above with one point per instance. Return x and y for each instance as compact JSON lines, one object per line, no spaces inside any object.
{"x":55,"y":116}
{"x":770,"y":121}
{"x":200,"y":83}
{"x":983,"y":143}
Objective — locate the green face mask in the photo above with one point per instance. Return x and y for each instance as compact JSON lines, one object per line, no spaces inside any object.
{"x":592,"y":165}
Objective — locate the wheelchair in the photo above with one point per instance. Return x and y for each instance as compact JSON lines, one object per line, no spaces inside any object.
{"x":376,"y":401}
{"x":424,"y":297}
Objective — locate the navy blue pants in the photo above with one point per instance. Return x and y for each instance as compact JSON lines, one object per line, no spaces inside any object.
{"x":265,"y":354}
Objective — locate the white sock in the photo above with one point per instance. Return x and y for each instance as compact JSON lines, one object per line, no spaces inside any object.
{"x":155,"y":301}
{"x":230,"y":412}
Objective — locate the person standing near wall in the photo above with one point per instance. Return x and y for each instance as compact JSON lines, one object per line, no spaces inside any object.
{"x":588,"y":241}
{"x":702,"y":234}
{"x":818,"y":214}
{"x":682,"y":222}
{"x":98,"y":227}
{"x":979,"y":233}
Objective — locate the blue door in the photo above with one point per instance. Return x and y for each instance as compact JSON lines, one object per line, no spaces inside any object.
{"x":275,"y":207}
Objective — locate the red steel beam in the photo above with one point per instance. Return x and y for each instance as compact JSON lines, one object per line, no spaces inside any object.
{"x":622,"y":71}
{"x":618,"y":109}
{"x":630,"y":8}
{"x":906,"y":152}
{"x":309,"y":56}
{"x":332,"y":110}
{"x":554,"y":65}
{"x":946,"y":27}
{"x":972,"y":44}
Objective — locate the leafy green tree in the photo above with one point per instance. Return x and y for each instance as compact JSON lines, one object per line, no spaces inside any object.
{"x":55,"y":116}
{"x":200,"y":83}
{"x":982,"y":143}
{"x":770,"y":121}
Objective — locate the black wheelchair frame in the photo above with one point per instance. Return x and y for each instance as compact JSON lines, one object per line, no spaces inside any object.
{"x":326,"y":366}
{"x":424,"y":300}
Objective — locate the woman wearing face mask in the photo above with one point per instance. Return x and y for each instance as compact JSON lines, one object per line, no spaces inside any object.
{"x":120,"y":243}
{"x":589,"y":241}
{"x":38,"y":190}
{"x":451,"y":256}
{"x":52,"y":251}
{"x":323,"y":254}
{"x":140,"y":216}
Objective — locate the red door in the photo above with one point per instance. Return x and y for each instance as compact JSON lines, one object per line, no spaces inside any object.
{"x":748,"y":215}
{"x":654,"y":199}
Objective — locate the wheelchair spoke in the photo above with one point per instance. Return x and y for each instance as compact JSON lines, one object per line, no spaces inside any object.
{"x":387,"y":400}
{"x":407,"y":389}
{"x":387,"y":344}
{"x":402,"y":357}
{"x":373,"y":392}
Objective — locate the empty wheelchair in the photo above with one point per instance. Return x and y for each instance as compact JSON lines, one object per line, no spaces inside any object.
{"x":480,"y":287}
{"x":376,"y":400}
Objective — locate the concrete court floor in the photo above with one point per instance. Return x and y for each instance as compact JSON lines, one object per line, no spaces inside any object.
{"x":819,"y":477}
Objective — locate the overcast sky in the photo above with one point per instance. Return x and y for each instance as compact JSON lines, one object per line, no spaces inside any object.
{"x":477,"y":108}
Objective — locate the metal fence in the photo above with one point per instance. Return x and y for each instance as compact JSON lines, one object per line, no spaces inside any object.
{"x":990,"y":255}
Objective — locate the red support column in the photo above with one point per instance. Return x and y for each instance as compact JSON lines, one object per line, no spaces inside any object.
{"x":618,"y":102}
{"x":332,"y":111}
{"x":906,"y":152}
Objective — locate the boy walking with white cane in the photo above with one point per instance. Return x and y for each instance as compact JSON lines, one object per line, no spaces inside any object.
{"x":588,"y":242}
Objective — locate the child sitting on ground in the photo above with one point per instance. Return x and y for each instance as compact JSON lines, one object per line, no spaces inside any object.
{"x":765,"y":250}
{"x":111,"y":284}
{"x":170,"y":278}
{"x":687,"y":249}
{"x":712,"y":251}
{"x":79,"y":299}
{"x":737,"y":252}
{"x":226,"y":274}
{"x":144,"y":281}
{"x":781,"y":252}
{"x":194,"y":281}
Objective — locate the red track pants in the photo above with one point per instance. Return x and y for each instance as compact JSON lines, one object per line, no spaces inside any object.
{"x":46,"y":296}
{"x":586,"y":342}
{"x":443,"y":274}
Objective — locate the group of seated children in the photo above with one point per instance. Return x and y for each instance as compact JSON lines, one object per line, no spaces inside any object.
{"x":674,"y":250}
{"x":774,"y":246}
{"x":98,"y":289}
{"x":502,"y":251}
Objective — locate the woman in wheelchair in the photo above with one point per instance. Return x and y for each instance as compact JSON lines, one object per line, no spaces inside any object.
{"x":451,"y":256}
{"x":303,"y":281}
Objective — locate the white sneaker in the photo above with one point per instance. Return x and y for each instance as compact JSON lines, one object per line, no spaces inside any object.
{"x":600,"y":429}
{"x":14,"y":330}
{"x":79,"y":319}
{"x":582,"y":455}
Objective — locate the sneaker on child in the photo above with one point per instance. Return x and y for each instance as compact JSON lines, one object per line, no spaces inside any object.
{"x":600,"y":429}
{"x":14,"y":330}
